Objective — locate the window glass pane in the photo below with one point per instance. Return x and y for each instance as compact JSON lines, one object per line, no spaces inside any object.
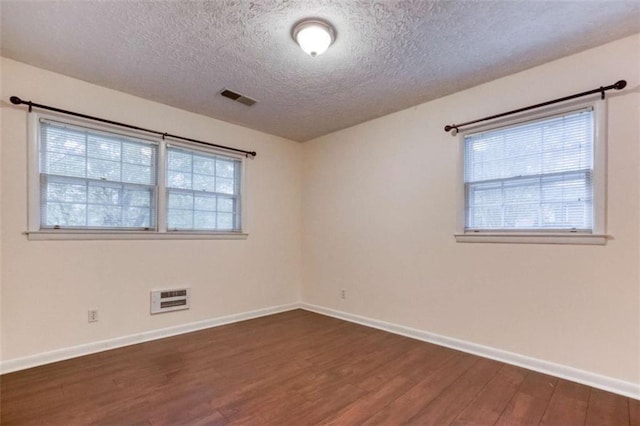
{"x":179,"y":200}
{"x":105,"y":205}
{"x":104,"y":169}
{"x":138,"y":198}
{"x":95,"y":179}
{"x":104,"y":216}
{"x":65,"y":164}
{"x":204,"y":165}
{"x":64,"y":140}
{"x":224,"y":185}
{"x":225,"y":169}
{"x":67,"y":192}
{"x":99,"y":194}
{"x":179,"y":219}
{"x":137,"y":217}
{"x":178,"y":179}
{"x":104,"y":148}
{"x":64,"y":214}
{"x":180,"y":161}
{"x":535,"y":175}
{"x":205,"y":203}
{"x":204,"y":183}
{"x":225,"y":204}
{"x":133,"y":173}
{"x":202,"y":172}
{"x":204,"y":220}
{"x":225,"y":221}
{"x":134,"y":153}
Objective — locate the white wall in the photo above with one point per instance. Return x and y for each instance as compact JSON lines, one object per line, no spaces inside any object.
{"x":372,"y":209}
{"x":48,"y":286}
{"x":379,"y":214}
{"x":1,"y":314}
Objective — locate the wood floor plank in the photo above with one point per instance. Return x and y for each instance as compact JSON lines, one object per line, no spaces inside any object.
{"x":529,"y":403}
{"x":568,"y":405}
{"x":264,"y":408}
{"x":361,"y":409}
{"x":316,"y":410}
{"x":446,"y":406}
{"x":489,"y":404}
{"x":409,"y":404}
{"x":412,"y":365}
{"x":607,"y":409}
{"x":634,"y":412}
{"x":297,"y":368}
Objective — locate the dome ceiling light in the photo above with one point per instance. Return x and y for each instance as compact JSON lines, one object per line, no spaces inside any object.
{"x":313,"y":35}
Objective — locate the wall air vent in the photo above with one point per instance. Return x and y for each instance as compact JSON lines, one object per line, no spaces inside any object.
{"x":235,"y":96}
{"x":169,"y":300}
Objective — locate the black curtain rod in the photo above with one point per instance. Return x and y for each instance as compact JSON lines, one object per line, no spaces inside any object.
{"x":618,"y":86}
{"x":17,"y":101}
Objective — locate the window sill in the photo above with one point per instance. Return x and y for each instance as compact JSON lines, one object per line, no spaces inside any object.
{"x":132,"y":235}
{"x":532,"y":238}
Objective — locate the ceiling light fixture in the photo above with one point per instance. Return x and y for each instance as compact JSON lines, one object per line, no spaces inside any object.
{"x":314,"y":35}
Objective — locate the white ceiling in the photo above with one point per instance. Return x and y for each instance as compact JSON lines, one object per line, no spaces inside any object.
{"x":389,"y":55}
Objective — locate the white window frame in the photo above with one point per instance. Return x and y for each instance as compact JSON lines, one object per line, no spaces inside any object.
{"x":597,"y":235}
{"x":35,"y":232}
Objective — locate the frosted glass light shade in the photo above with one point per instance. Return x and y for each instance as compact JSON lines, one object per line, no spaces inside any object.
{"x":313,"y":36}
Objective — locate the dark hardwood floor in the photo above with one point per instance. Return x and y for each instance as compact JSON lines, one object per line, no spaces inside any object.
{"x":299,"y":368}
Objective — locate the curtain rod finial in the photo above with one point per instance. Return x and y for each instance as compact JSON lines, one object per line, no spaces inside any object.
{"x":15,"y":100}
{"x":621,"y":84}
{"x":448,"y":128}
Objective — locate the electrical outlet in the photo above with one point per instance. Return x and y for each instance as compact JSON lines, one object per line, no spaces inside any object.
{"x":93,"y":315}
{"x":343,"y":294}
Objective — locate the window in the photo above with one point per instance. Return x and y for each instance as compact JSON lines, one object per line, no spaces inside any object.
{"x":543,"y":177}
{"x":202,"y":191}
{"x":91,"y":179}
{"x":88,"y":180}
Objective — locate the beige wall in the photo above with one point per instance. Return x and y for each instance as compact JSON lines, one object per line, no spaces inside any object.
{"x":48,"y":286}
{"x":379,"y":214}
{"x":1,"y":314}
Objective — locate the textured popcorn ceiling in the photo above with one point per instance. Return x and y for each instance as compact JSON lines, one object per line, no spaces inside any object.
{"x":388,"y":55}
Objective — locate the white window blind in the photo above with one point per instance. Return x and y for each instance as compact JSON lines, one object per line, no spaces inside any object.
{"x":93,"y":179}
{"x":531,"y":176}
{"x":203,"y":191}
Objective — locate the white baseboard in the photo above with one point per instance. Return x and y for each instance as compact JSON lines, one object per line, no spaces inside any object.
{"x":17,"y":364}
{"x":629,"y":389}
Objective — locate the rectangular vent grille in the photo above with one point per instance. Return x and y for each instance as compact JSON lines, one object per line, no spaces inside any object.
{"x":169,"y":300}
{"x":245,"y":100}
{"x":172,"y":303}
{"x":175,"y":293}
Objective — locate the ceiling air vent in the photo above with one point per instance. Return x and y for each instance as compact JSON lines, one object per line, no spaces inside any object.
{"x":238,"y":97}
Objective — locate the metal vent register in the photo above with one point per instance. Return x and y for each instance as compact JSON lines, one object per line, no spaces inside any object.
{"x":238,"y":97}
{"x":169,"y":300}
